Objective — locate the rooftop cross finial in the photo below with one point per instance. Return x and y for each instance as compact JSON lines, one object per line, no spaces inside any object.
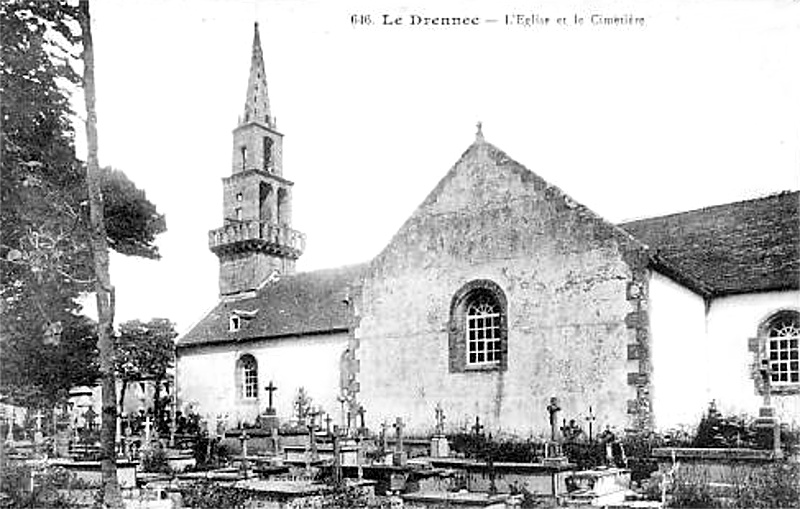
{"x":479,"y":134}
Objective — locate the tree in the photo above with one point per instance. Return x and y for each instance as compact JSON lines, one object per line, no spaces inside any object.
{"x":145,"y":351}
{"x":45,"y":256}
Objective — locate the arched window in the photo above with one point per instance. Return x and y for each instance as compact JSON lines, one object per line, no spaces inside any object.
{"x":782,"y":334}
{"x":478,"y":327}
{"x":247,"y":377}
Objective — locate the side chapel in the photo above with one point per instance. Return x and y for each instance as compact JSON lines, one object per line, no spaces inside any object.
{"x":498,"y":293}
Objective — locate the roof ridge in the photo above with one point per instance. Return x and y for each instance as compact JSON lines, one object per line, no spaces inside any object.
{"x":771,"y":195}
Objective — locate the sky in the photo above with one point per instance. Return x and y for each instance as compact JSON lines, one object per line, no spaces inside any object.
{"x":697,"y":104}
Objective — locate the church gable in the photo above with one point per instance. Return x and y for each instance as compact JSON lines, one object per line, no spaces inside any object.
{"x":496,"y":252}
{"x":489,"y":206}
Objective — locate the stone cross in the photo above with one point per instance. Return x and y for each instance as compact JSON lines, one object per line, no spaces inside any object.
{"x":384,"y":436}
{"x":553,"y":409}
{"x":398,"y":428}
{"x":361,"y":411}
{"x":38,"y":418}
{"x":337,"y":457}
{"x":590,"y":417}
{"x":312,"y":441}
{"x":147,"y":428}
{"x":328,"y":420}
{"x":766,"y":378}
{"x":90,"y":415}
{"x":439,"y":419}
{"x":243,"y":438}
{"x":314,"y":413}
{"x":270,"y":388}
{"x":478,"y":426}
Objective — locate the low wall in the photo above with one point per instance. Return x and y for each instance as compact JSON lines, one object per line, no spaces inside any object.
{"x":725,"y":466}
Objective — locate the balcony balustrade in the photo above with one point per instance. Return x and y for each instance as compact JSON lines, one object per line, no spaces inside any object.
{"x":258,"y":235}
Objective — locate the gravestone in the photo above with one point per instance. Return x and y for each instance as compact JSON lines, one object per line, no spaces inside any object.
{"x":553,"y":454}
{"x":400,"y":456}
{"x":243,"y":438}
{"x":269,"y":419}
{"x":590,"y":417}
{"x":337,"y":457}
{"x":440,"y":448}
{"x":38,"y":434}
{"x":767,"y":421}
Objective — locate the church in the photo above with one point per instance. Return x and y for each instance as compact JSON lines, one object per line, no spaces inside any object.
{"x":499,"y":293}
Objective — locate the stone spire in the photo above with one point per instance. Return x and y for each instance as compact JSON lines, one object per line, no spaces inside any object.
{"x":256,"y":106}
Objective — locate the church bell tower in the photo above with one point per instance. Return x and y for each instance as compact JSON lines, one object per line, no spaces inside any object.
{"x":256,"y":239}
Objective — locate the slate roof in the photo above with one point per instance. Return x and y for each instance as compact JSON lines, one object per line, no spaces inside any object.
{"x":301,"y":304}
{"x":741,"y":247}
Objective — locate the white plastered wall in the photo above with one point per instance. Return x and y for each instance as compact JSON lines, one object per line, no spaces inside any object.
{"x":732,"y":321}
{"x":207,"y":376}
{"x":678,"y":349}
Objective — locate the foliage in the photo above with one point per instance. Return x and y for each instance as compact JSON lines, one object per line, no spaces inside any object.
{"x":18,"y":491}
{"x":691,"y":492}
{"x":45,"y":260}
{"x":211,"y":495}
{"x":154,"y":460}
{"x":145,"y":351}
{"x":302,"y":406}
{"x":777,"y":486}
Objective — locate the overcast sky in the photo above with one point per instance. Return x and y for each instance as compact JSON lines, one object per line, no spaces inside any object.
{"x":700,"y":105}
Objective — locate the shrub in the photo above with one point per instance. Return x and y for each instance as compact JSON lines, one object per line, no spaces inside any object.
{"x":154,"y":460}
{"x":210,"y":495}
{"x":22,"y":487}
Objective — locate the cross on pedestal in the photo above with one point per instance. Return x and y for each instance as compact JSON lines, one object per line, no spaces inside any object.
{"x":90,"y":416}
{"x":361,"y":411}
{"x":439,"y":419}
{"x":398,"y":429}
{"x":243,"y":438}
{"x":314,"y":413}
{"x":328,"y":420}
{"x":337,"y":457}
{"x":270,"y":388}
{"x":384,"y":436}
{"x":553,"y":409}
{"x":478,"y":426}
{"x":590,"y":417}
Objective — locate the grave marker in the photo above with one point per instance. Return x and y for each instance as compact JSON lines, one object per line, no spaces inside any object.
{"x":400,"y":457}
{"x":590,"y":417}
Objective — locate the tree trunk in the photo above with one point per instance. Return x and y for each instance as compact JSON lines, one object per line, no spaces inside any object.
{"x":157,"y":408}
{"x":105,"y":292}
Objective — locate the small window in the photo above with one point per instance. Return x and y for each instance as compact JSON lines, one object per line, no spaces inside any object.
{"x":247,"y":379}
{"x":239,"y":197}
{"x":244,"y":157}
{"x":267,"y":153}
{"x":234,"y":323}
{"x":478,"y":329}
{"x":483,"y":330}
{"x":238,"y":214}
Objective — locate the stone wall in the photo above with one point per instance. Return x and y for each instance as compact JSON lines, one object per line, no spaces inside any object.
{"x":565,"y":274}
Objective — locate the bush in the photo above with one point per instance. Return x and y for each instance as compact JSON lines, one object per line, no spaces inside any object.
{"x":778,"y":486}
{"x":154,"y":460}
{"x":210,"y":495}
{"x":22,"y":487}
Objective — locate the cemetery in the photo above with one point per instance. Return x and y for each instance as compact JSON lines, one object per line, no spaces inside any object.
{"x":317,"y":459}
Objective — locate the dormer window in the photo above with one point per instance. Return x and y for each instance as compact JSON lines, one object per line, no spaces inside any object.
{"x":234,"y":323}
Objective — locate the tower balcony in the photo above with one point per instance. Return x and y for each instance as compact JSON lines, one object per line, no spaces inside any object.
{"x":260,"y":236}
